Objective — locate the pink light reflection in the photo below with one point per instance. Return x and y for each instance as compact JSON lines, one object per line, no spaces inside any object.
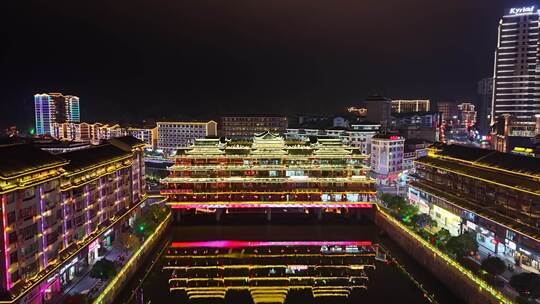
{"x":238,"y":244}
{"x":224,"y":206}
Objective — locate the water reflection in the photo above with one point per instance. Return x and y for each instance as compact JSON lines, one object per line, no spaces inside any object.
{"x":269,"y":271}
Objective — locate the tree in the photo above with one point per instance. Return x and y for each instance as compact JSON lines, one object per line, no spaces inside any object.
{"x":527,"y":284}
{"x":407,"y":212}
{"x":494,"y":266}
{"x":441,"y":237}
{"x":103,"y":269}
{"x":144,"y":225}
{"x":157,"y":212}
{"x":461,"y":245}
{"x":393,"y":202}
{"x":127,"y":242}
{"x":422,"y":220}
{"x":399,"y":207}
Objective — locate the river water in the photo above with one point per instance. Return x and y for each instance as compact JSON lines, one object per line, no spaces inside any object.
{"x":247,"y":260}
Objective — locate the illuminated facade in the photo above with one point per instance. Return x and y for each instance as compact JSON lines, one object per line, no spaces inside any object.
{"x":172,"y":135}
{"x":268,"y":173}
{"x":387,"y":157}
{"x":87,"y":132}
{"x":448,"y":110}
{"x":485,"y":94}
{"x":247,"y":126}
{"x":418,"y":125}
{"x":358,"y":135}
{"x":495,"y":195}
{"x":269,"y":271}
{"x":515,"y":84}
{"x":404,"y":106}
{"x":146,"y":135}
{"x":467,"y":115}
{"x":57,"y":210}
{"x":54,"y":108}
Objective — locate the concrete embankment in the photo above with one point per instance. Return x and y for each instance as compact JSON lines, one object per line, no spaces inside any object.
{"x":116,"y":285}
{"x":459,"y":280}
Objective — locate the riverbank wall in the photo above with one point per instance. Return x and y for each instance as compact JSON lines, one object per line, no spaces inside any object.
{"x":115,"y":286}
{"x":459,"y":280}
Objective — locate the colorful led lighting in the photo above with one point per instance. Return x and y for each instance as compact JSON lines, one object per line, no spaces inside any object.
{"x":226,"y":205}
{"x":238,"y":244}
{"x":87,"y":193}
{"x":42,"y":228}
{"x":4,"y":220}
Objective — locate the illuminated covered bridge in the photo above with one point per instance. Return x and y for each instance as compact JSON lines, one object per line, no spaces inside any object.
{"x":269,"y":173}
{"x":269,"y":271}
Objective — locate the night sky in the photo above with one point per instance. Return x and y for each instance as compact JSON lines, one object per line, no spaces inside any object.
{"x":133,"y":59}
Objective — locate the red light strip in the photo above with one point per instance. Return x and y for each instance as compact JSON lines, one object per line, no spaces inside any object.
{"x":234,"y":205}
{"x":237,"y":244}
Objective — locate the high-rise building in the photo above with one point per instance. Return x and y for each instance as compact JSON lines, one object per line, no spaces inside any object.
{"x":483,"y":106}
{"x":172,"y":135}
{"x":68,"y":206}
{"x":516,"y":86}
{"x":401,"y":106}
{"x":467,"y":115}
{"x":448,"y":110}
{"x":418,"y":125}
{"x":54,"y":108}
{"x":377,"y":109}
{"x":247,"y":126}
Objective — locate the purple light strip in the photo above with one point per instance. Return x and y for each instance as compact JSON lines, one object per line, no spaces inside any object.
{"x":42,"y":226}
{"x":132,"y":183}
{"x":64,"y":226}
{"x":100,"y":199}
{"x":87,"y":193}
{"x":117,"y":191}
{"x":4,"y":219}
{"x":139,"y":175}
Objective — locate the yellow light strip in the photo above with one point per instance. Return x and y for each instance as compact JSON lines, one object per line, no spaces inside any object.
{"x":480,"y":164}
{"x":457,"y":205}
{"x":90,"y":240}
{"x":482,"y":179}
{"x":49,"y":167}
{"x":121,"y":274}
{"x":482,"y":285}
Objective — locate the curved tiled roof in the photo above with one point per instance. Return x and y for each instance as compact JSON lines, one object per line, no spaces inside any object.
{"x":85,"y":158}
{"x":23,"y":158}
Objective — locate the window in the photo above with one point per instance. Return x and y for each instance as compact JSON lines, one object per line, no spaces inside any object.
{"x":13,"y":257}
{"x":15,"y":276}
{"x":27,"y":213}
{"x":12,"y":238}
{"x":11,"y":218}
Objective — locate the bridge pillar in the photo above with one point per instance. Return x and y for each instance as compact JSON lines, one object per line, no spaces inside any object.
{"x":358,"y":214}
{"x":319,"y":214}
{"x":177,"y":216}
{"x":219,"y":211}
{"x":268,"y":214}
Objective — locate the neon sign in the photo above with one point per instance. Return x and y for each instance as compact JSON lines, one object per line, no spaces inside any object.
{"x":521,"y":10}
